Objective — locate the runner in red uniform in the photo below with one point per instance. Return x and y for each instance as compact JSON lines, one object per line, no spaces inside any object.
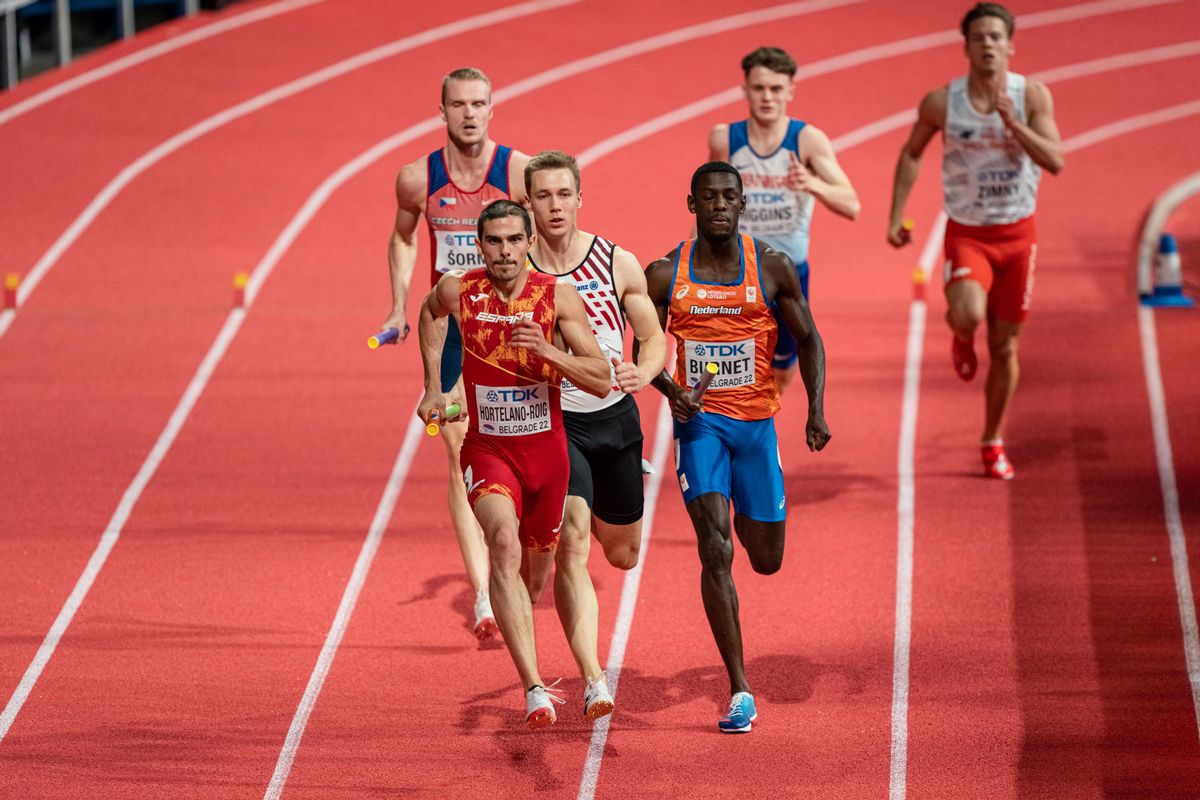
{"x":523,"y":332}
{"x":449,"y":187}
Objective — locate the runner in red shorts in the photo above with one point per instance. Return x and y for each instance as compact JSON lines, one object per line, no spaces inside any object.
{"x":517,"y":328}
{"x":999,"y":134}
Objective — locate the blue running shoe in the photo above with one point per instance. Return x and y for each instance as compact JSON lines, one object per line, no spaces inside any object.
{"x":741,"y":713}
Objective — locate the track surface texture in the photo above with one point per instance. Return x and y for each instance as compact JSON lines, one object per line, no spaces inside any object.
{"x":193,"y":494}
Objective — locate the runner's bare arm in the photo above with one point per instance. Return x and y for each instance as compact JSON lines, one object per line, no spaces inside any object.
{"x":783,"y":288}
{"x":1039,"y":137}
{"x":718,"y":143}
{"x":659,"y":277}
{"x":931,"y":116}
{"x":582,"y":361}
{"x":516,"y":176}
{"x":441,"y":302}
{"x":821,"y":175}
{"x":411,"y":185}
{"x":651,"y":343}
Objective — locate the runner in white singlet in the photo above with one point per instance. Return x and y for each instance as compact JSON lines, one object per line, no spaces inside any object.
{"x":786,"y":165}
{"x":604,"y":434}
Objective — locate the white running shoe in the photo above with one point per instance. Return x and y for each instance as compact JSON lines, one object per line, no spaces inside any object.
{"x":597,"y":699}
{"x":539,"y":706}
{"x":485,"y":620}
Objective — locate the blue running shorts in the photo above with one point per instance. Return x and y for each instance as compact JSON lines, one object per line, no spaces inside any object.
{"x":737,"y":458}
{"x":452,"y":355}
{"x":785,"y":345}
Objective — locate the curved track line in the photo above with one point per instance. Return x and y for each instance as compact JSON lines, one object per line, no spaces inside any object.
{"x":1170,"y":493}
{"x":857,"y":58}
{"x":266,"y":265}
{"x":368,"y":157}
{"x":1134,"y":58}
{"x":113,"y":531}
{"x":149,"y":53}
{"x":162,"y":445}
{"x":362,"y":565}
{"x":395,"y":483}
{"x":629,"y":592}
{"x":909,"y":407}
{"x":1187,"y":608}
{"x":114,"y":187}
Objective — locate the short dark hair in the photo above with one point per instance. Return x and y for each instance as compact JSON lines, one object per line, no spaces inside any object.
{"x":550,"y":159}
{"x":773,"y":58}
{"x":500,"y":209}
{"x":715,"y":166}
{"x":981,"y":10}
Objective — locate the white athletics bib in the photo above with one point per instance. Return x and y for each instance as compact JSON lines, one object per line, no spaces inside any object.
{"x":513,"y":410}
{"x":734,"y":360}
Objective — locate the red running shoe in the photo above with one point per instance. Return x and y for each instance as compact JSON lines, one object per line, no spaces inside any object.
{"x":995,"y":463}
{"x":963,"y":352}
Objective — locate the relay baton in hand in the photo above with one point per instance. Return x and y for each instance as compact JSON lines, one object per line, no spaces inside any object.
{"x":710,"y":372}
{"x":386,"y":336}
{"x":435,"y":425}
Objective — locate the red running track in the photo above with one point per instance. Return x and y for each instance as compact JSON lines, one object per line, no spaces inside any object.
{"x":1047,"y":657}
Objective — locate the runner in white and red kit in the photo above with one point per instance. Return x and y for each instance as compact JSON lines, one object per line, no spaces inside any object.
{"x":604,"y":434}
{"x":999,"y":133}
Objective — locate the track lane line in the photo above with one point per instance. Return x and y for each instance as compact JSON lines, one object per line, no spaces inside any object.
{"x":113,"y":531}
{"x":909,"y":405}
{"x":147,"y":160}
{"x":905,"y":534}
{"x":350,"y":169}
{"x":663,"y":434}
{"x":149,"y":53}
{"x":866,"y":55}
{"x":159,"y":451}
{"x":362,"y":566}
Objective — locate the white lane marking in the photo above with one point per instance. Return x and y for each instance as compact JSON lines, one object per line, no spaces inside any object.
{"x":356,"y":165}
{"x":663,"y":436}
{"x":1170,"y":495}
{"x":113,"y":531}
{"x":151,"y":52}
{"x":917,"y":318}
{"x":109,"y":539}
{"x":904,"y":566}
{"x":114,"y":187}
{"x":857,"y":58}
{"x":379,"y":524}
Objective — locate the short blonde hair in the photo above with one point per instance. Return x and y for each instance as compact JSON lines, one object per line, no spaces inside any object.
{"x":465,"y":74}
{"x":550,"y":159}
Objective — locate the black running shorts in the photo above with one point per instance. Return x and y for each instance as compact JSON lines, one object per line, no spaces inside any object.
{"x":605,"y":448}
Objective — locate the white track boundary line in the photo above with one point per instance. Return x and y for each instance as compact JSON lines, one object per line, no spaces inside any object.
{"x":906,"y":504}
{"x":856,"y":58}
{"x":1170,"y":494}
{"x":356,"y":165}
{"x":151,"y":52}
{"x":114,"y":187}
{"x":663,"y":436}
{"x":133,"y":493}
{"x":905,"y":523}
{"x":383,"y":513}
{"x":113,"y":531}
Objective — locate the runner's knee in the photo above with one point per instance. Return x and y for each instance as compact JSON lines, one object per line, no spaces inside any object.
{"x":623,"y":555}
{"x":716,"y":552}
